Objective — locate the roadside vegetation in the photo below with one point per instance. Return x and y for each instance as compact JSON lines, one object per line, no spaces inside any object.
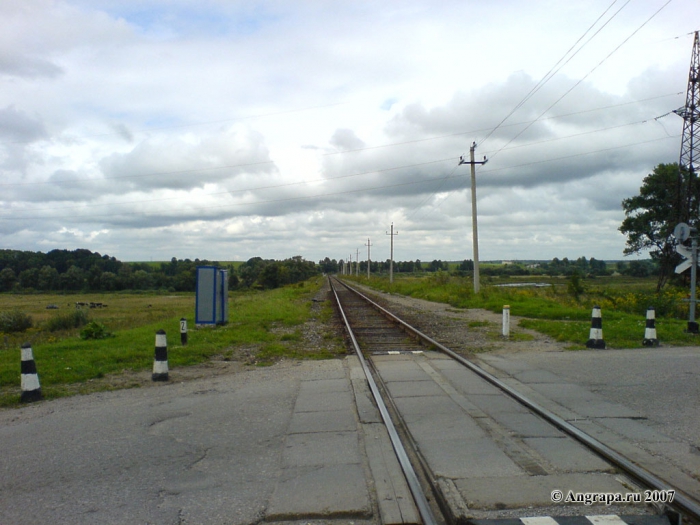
{"x":562,"y":308}
{"x":77,"y":349}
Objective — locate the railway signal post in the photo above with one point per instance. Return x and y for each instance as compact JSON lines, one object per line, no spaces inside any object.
{"x":682,"y":233}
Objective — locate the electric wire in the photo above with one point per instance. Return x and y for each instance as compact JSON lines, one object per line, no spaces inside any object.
{"x":345,"y":192}
{"x":476,"y":131}
{"x":261,"y":163}
{"x":339,"y":177}
{"x":551,"y":73}
{"x":585,"y":76}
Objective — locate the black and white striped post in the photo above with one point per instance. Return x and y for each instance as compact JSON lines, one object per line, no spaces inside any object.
{"x":31,"y":390}
{"x":595,"y":339}
{"x":650,"y":338}
{"x":160,"y":364}
{"x":183,"y":331}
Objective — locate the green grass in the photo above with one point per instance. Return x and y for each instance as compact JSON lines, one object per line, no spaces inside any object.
{"x":553,"y":311}
{"x":265,"y":323}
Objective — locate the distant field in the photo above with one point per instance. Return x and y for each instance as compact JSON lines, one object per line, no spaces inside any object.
{"x":263,"y":327}
{"x":156,"y":264}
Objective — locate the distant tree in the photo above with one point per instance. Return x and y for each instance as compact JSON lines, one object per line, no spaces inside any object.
{"x":47,"y":278}
{"x":466,"y":266}
{"x":651,"y":216}
{"x":109,"y":281}
{"x":73,"y":279}
{"x":29,"y":278}
{"x":328,"y":265}
{"x":7,"y":279}
{"x":142,"y":280}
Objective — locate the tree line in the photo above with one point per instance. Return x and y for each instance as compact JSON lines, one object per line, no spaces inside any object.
{"x":556,"y":267}
{"x":85,"y":271}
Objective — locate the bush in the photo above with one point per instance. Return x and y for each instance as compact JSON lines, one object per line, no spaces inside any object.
{"x":74,"y":319}
{"x":15,"y":321}
{"x":95,"y":330}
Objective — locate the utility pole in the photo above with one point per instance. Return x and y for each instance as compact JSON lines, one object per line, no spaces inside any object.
{"x":391,"y":261}
{"x":357,"y":262}
{"x":369,"y":261}
{"x":475,"y":231}
{"x":690,"y":142}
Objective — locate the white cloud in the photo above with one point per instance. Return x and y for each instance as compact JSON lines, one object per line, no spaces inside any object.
{"x":225,"y":130}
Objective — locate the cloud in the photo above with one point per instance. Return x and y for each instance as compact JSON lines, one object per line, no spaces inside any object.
{"x":227,"y":130}
{"x":17,"y":65}
{"x":18,"y":127}
{"x":185,"y":163}
{"x":345,"y":139}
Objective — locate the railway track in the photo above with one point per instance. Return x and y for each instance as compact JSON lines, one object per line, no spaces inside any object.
{"x":474,"y":450}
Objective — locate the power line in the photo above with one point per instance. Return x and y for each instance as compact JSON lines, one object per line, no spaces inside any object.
{"x":481,"y":130}
{"x":262,"y":163}
{"x":585,"y":76}
{"x":550,"y":74}
{"x":361,"y":190}
{"x":330,"y":179}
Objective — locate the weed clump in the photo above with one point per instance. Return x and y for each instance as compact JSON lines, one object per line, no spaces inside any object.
{"x":95,"y":330}
{"x":15,"y":321}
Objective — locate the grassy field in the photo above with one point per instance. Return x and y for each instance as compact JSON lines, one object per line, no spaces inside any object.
{"x":264,"y":325}
{"x":555,"y":311}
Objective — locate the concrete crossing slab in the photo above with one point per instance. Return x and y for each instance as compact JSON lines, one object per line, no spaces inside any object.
{"x":414,"y":389}
{"x":568,"y":456}
{"x":420,"y":408}
{"x":524,"y":491}
{"x":500,"y":404}
{"x":321,"y":448}
{"x":400,"y":370}
{"x":321,"y":491}
{"x":526,"y":425}
{"x":467,"y":383}
{"x":460,"y":459}
{"x":445,"y":427}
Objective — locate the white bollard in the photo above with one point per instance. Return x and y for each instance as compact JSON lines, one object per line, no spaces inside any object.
{"x":506,"y":320}
{"x":595,"y":339}
{"x":31,"y":390}
{"x":650,"y":338}
{"x":160,"y":364}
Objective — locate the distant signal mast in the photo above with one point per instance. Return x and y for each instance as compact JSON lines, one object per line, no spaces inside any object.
{"x":690,"y":143}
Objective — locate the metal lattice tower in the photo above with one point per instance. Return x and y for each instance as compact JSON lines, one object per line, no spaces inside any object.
{"x":690,"y":143}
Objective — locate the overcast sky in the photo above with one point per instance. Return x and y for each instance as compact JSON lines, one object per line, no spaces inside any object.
{"x":224,"y":130}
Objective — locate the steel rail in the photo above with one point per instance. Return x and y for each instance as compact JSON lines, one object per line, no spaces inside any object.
{"x":411,"y":477}
{"x":682,"y":501}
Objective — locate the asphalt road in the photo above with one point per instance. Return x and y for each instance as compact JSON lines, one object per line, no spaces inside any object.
{"x":195,"y":452}
{"x":663,"y":384}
